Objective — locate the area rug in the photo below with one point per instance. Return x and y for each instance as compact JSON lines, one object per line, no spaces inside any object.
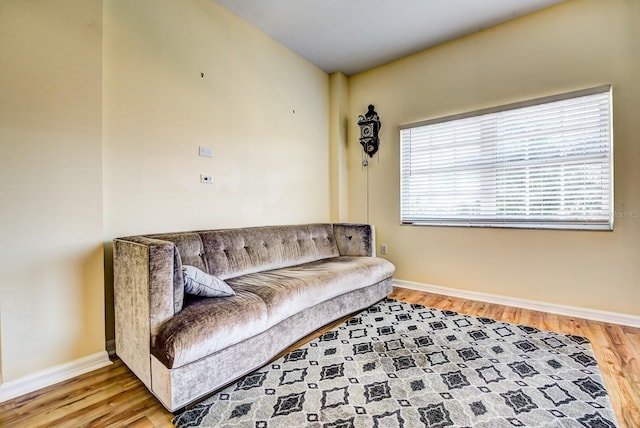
{"x":405,"y":365}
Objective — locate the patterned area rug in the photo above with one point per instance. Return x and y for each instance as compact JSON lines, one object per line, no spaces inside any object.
{"x":404,"y":365}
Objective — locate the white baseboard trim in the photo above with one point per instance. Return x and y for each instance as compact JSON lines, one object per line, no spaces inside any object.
{"x":570,"y":311}
{"x":44,"y":378}
{"x":111,"y":347}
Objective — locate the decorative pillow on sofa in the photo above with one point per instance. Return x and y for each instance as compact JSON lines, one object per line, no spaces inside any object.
{"x":201,"y":283}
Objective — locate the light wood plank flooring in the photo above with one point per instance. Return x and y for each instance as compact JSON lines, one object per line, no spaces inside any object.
{"x":113,"y":396}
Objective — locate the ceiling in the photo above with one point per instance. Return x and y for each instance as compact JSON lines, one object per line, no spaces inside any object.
{"x":356,"y":35}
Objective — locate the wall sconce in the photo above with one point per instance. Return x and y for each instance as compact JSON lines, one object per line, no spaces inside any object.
{"x":369,"y":127}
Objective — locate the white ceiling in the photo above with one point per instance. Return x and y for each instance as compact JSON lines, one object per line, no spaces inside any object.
{"x":355,"y":35}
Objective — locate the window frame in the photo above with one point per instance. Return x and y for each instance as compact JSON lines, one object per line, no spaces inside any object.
{"x":522,"y":223}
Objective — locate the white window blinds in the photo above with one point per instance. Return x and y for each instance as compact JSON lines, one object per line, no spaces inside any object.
{"x":544,"y":163}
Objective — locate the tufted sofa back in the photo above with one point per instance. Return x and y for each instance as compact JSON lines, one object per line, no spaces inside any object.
{"x":228,"y":253}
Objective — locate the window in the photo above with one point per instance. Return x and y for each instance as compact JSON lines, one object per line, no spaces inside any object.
{"x":545,"y":163}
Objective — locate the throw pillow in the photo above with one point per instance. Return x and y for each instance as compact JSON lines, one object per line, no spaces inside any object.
{"x":201,"y":283}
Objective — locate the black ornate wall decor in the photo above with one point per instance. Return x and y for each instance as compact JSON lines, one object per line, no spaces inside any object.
{"x":369,"y":127}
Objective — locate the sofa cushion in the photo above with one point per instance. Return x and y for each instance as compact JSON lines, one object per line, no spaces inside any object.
{"x":234,"y":252}
{"x":290,"y":290}
{"x":200,"y":283}
{"x":262,"y":300}
{"x":207,"y":325}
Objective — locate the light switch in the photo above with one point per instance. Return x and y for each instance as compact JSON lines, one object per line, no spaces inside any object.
{"x":205,"y":151}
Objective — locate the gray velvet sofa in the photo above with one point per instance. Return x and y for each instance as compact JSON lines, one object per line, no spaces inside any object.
{"x":288,"y":280}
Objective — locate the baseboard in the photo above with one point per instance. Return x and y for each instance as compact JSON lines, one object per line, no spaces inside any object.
{"x":53,"y":375}
{"x":570,"y":311}
{"x":111,"y":347}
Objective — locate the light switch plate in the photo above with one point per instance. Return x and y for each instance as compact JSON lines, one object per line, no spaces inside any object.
{"x":207,"y":152}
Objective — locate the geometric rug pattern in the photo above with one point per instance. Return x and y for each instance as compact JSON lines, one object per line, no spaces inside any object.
{"x":398,"y":364}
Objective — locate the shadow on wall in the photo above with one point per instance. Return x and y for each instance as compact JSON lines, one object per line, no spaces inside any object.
{"x":1,"y":346}
{"x":109,"y":317}
{"x":91,"y":278}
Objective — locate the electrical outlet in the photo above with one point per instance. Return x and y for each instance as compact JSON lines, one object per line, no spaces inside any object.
{"x":206,"y":179}
{"x":383,"y":249}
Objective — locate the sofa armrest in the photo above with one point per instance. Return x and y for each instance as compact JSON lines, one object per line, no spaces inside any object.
{"x":158,"y":270}
{"x":355,"y":239}
{"x":144,"y":296}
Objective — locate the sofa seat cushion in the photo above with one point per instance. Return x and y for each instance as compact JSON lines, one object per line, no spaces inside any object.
{"x":208,"y":325}
{"x":288,"y":291}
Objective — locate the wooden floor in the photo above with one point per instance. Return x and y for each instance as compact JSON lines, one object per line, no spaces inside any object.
{"x":113,"y":396}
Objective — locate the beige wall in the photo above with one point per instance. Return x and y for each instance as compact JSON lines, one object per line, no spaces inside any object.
{"x":51,"y":276}
{"x":578,"y":44}
{"x":260,"y":107}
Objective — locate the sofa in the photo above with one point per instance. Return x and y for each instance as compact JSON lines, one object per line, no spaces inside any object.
{"x":287,"y":281}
